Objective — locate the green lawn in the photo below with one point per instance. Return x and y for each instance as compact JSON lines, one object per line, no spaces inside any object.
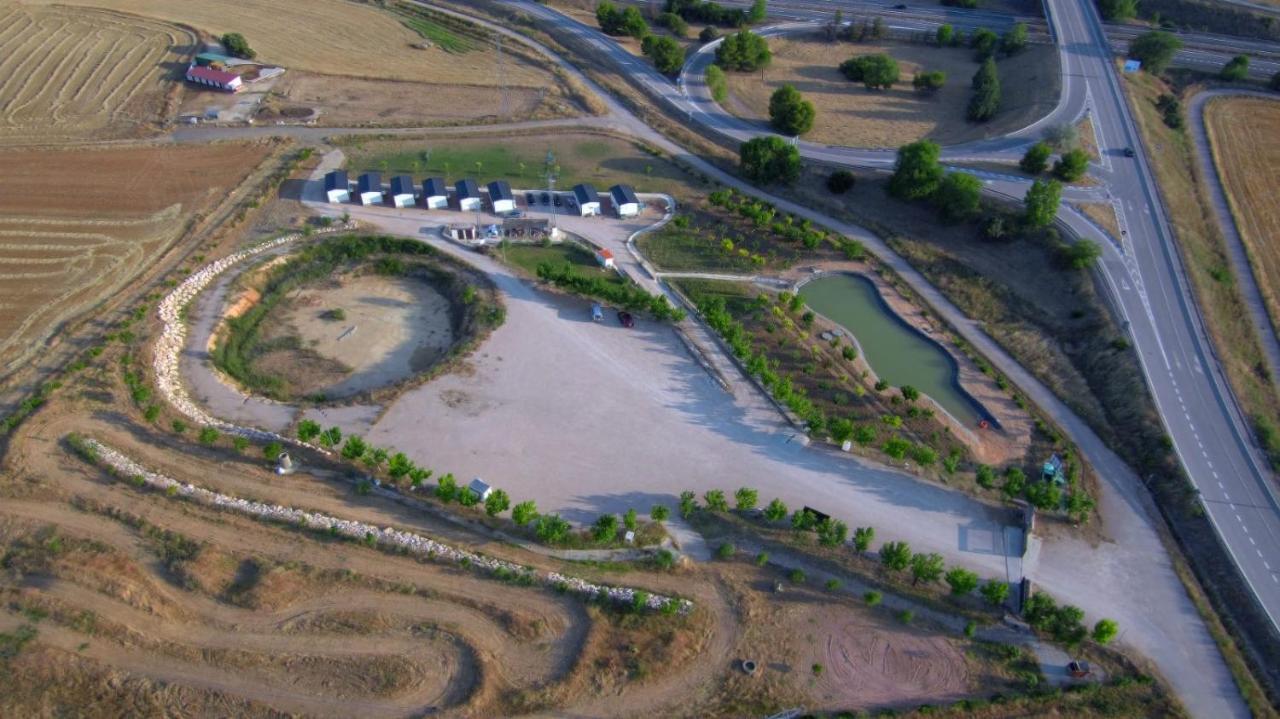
{"x":521,"y":160}
{"x":528,"y":257}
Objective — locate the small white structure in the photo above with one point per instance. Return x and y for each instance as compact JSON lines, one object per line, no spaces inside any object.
{"x":337,"y":188}
{"x":480,"y":488}
{"x":605,"y":258}
{"x":587,"y":198}
{"x":500,"y":197}
{"x":468,"y":195}
{"x":209,"y":77}
{"x":369,"y":188}
{"x":402,"y":191}
{"x":625,"y":202}
{"x":435,"y":194}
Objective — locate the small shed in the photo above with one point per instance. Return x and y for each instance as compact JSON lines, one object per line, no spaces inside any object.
{"x":587,"y":198}
{"x":209,"y":77}
{"x":369,"y":188}
{"x":435,"y":194}
{"x":480,"y":488}
{"x":625,"y":202}
{"x":337,"y":188}
{"x":402,"y":191}
{"x":605,"y":258}
{"x":500,"y":197}
{"x":468,"y":195}
{"x":212,"y":59}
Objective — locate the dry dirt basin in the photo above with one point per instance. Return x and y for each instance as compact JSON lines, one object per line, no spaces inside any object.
{"x":851,"y":115}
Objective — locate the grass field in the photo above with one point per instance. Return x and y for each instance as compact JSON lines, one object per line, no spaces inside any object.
{"x":849,"y":114}
{"x":528,"y":257}
{"x":85,"y":73}
{"x":521,"y":160}
{"x":1242,"y":133}
{"x":335,"y":37}
{"x":1204,"y":254}
{"x":76,"y":225}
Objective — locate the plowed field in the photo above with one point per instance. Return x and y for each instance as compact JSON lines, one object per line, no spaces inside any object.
{"x":68,"y":74}
{"x":76,"y":225}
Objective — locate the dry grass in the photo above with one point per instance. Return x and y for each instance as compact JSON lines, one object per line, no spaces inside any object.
{"x":76,"y":225}
{"x":1203,"y":250}
{"x":85,"y":73}
{"x":849,"y":114}
{"x":1088,"y":140}
{"x":1242,"y":133}
{"x":335,"y":37}
{"x":1102,"y":214}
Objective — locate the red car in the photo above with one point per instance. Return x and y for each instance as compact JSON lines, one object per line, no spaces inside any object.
{"x":626,"y":320}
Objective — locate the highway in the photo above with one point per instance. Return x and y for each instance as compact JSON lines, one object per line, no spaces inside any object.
{"x":1147,"y":281}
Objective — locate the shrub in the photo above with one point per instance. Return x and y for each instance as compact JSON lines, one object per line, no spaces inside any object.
{"x":620,"y":22}
{"x":895,"y":555}
{"x":797,"y":576}
{"x":659,"y":513}
{"x":832,"y":533}
{"x":744,"y":51}
{"x":769,"y":159}
{"x":862,"y":538}
{"x":929,"y":81}
{"x":606,"y":528}
{"x":524,"y":512}
{"x":803,"y":520}
{"x":708,"y":34}
{"x":717,"y":83}
{"x":926,"y":568}
{"x":917,"y":173}
{"x":550,"y":528}
{"x":726,"y":550}
{"x":496,"y":503}
{"x":688,"y":503}
{"x":962,"y":581}
{"x":715,"y":500}
{"x":985,"y":101}
{"x":1105,"y":630}
{"x":776,"y":511}
{"x":237,"y":46}
{"x":239,"y":444}
{"x":447,"y":488}
{"x":179,"y":426}
{"x":840,"y":182}
{"x":995,"y":592}
{"x":1155,"y":50}
{"x":745,"y":499}
{"x":789,"y":112}
{"x":1081,"y":254}
{"x":1036,"y":159}
{"x":208,"y":435}
{"x":984,"y":43}
{"x":308,"y":430}
{"x":1236,"y":69}
{"x":872,"y":598}
{"x":1014,"y":39}
{"x":958,"y":197}
{"x":876,"y":72}
{"x":762,"y":559}
{"x":906,"y":616}
{"x":666,"y":53}
{"x":1072,"y":165}
{"x":986,"y":476}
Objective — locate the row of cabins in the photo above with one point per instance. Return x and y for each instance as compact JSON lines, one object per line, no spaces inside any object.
{"x":435,"y":194}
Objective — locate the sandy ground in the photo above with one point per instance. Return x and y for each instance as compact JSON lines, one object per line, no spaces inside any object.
{"x":394,"y":328}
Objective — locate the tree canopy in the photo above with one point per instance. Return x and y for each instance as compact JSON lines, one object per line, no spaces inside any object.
{"x":958,"y":197}
{"x":614,"y":21}
{"x":666,"y":53}
{"x":789,"y":112}
{"x":1072,"y":165}
{"x":1041,"y":202}
{"x":985,"y":101}
{"x":769,"y":159}
{"x":1155,"y":50}
{"x":1015,"y":39}
{"x":877,"y":71}
{"x":1236,"y":69}
{"x":1118,"y":10}
{"x":1036,"y":160}
{"x":237,"y":46}
{"x":744,"y":51}
{"x":917,"y":173}
{"x":929,"y":80}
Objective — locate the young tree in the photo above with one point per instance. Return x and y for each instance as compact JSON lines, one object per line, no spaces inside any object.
{"x":1236,"y":69}
{"x":606,"y":528}
{"x":944,"y":36}
{"x":929,"y":81}
{"x":984,"y":43}
{"x":926,"y":568}
{"x":769,"y":160}
{"x":876,"y":72}
{"x":237,"y":46}
{"x":756,"y":13}
{"x":496,"y":503}
{"x":1041,"y":202}
{"x":717,"y":83}
{"x":1014,"y":482}
{"x":1078,"y":255}
{"x":862,"y":539}
{"x":398,"y":465}
{"x":1155,"y":50}
{"x":744,"y":51}
{"x":726,"y":550}
{"x":962,"y":581}
{"x":708,"y":34}
{"x":447,"y":488}
{"x":659,"y":513}
{"x":1105,"y":630}
{"x":1072,"y":165}
{"x":832,"y":532}
{"x":985,"y":101}
{"x":1036,"y":158}
{"x":745,"y":499}
{"x":524,"y":512}
{"x":895,"y":555}
{"x":629,"y":520}
{"x":957,"y":197}
{"x":308,"y":430}
{"x":666,"y":53}
{"x":802,"y":520}
{"x":789,"y":112}
{"x":551,"y":529}
{"x":715,"y":500}
{"x":688,"y":503}
{"x":354,"y":448}
{"x":674,"y":23}
{"x":1015,"y":39}
{"x":776,"y":511}
{"x":917,"y":172}
{"x":995,"y":592}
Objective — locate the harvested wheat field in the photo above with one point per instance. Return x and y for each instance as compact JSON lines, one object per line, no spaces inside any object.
{"x":1242,"y":134}
{"x":849,"y":114}
{"x":77,"y":224}
{"x":84,"y":73}
{"x":336,"y":37}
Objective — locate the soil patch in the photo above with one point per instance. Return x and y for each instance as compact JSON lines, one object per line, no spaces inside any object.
{"x":849,"y":114}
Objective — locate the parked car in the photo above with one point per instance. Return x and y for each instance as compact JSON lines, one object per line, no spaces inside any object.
{"x":546,"y":198}
{"x":1128,"y":152}
{"x":556,"y":200}
{"x":626,"y":320}
{"x":597,"y":312}
{"x":529,"y":199}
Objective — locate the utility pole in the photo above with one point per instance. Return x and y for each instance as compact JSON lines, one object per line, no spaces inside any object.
{"x":502,"y":79}
{"x":551,"y":186}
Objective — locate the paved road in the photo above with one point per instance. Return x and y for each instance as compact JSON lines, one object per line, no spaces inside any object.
{"x":1237,"y":255}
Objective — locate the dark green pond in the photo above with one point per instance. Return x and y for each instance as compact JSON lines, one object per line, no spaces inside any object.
{"x":897,"y":353}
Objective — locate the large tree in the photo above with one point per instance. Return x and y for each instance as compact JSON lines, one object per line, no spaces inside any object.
{"x":918,"y":172}
{"x":769,"y":159}
{"x":237,"y":46}
{"x":1072,"y":165}
{"x":666,"y":53}
{"x":1042,"y":201}
{"x":1015,"y":39}
{"x":1236,"y":69}
{"x":877,"y":71}
{"x":789,"y":112}
{"x":744,"y":51}
{"x":1037,"y":158}
{"x":1155,"y":50}
{"x":957,"y":197}
{"x":985,"y":101}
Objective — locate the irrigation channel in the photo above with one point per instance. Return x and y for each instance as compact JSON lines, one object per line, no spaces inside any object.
{"x":897,"y":352}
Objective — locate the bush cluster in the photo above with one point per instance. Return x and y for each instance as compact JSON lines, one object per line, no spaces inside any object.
{"x":627,"y":296}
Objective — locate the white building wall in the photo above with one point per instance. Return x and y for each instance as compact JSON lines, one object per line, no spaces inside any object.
{"x":437,"y":202}
{"x":370,"y":198}
{"x":469,"y":204}
{"x":405,"y":200}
